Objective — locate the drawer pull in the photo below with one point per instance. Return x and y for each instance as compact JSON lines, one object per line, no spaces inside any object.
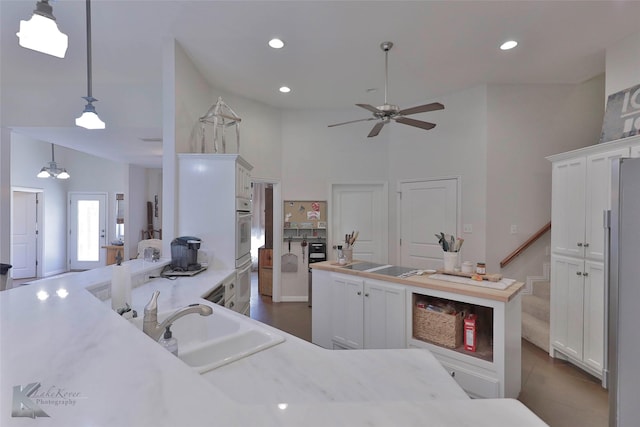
{"x":453,"y":374}
{"x":586,"y":245}
{"x":578,"y":273}
{"x":359,"y":293}
{"x":585,"y":274}
{"x":579,"y":244}
{"x":366,"y":295}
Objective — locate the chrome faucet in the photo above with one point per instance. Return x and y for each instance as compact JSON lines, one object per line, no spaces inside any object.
{"x":150,"y":325}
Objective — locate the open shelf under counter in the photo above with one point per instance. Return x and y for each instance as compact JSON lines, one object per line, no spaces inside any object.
{"x":494,"y":369}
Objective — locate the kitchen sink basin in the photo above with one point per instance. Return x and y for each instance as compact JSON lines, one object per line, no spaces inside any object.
{"x":208,"y":342}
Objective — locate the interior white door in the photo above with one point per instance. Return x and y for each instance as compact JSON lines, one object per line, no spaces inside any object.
{"x":87,"y":230}
{"x":362,"y":208}
{"x":24,"y":228}
{"x":426,"y":208}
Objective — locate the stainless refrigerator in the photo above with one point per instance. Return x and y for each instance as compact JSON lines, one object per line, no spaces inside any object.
{"x":623,"y":267}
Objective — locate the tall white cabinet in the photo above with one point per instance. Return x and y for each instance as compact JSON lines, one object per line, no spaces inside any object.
{"x":209,"y":185}
{"x":580,"y":195}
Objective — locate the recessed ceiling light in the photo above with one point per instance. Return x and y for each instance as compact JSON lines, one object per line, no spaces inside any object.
{"x":508,"y":45}
{"x":285,"y":89}
{"x":276,"y":43}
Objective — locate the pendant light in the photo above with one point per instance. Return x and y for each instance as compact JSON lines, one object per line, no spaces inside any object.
{"x":41,"y":32}
{"x":53,"y":171}
{"x":89,"y":118}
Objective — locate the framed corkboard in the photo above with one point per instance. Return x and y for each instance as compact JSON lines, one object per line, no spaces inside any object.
{"x":305,"y":214}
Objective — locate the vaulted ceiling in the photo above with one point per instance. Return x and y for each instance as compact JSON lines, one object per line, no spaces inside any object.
{"x":331,"y":59}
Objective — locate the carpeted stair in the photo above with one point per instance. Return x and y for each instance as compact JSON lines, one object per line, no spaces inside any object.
{"x":535,"y":315}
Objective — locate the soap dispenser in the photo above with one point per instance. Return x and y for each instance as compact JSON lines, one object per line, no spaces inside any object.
{"x":168,"y":342}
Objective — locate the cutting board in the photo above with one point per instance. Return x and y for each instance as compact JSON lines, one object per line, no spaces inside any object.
{"x":490,"y":277}
{"x":289,"y":263}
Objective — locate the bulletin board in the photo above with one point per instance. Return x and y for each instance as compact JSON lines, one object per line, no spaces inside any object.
{"x":305,"y":214}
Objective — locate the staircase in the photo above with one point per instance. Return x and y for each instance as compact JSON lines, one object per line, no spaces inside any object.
{"x":535,"y":315}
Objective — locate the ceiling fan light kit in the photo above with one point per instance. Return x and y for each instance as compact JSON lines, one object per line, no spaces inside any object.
{"x":387,"y":112}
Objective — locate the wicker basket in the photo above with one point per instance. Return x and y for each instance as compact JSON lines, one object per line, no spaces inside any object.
{"x":439,"y":328}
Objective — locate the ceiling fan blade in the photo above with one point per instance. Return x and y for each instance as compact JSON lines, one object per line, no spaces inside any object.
{"x":421,"y":109}
{"x":352,"y":121}
{"x":369,"y":107}
{"x":376,"y":129}
{"x":413,"y":122}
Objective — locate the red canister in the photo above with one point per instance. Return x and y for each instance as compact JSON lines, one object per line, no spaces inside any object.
{"x":470,"y":332}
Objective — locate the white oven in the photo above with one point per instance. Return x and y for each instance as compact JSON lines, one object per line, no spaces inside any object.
{"x":243,"y":236}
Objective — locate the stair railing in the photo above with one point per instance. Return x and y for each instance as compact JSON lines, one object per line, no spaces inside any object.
{"x":525,"y":245}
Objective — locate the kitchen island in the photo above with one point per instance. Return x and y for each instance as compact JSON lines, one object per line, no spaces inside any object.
{"x":64,"y":349}
{"x":366,"y":305}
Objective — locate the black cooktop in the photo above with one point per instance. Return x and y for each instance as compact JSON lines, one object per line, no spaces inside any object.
{"x":363,"y":266}
{"x":394,"y":271}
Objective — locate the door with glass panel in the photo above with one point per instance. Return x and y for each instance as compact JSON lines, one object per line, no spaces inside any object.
{"x":87,"y":230}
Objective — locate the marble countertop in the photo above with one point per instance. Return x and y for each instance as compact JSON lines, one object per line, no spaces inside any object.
{"x":424,"y":281}
{"x":90,"y":366}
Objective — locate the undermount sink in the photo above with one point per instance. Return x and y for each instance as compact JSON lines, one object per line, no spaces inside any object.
{"x":208,"y":342}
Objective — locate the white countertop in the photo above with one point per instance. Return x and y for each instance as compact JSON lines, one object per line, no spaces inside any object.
{"x":119,"y":377}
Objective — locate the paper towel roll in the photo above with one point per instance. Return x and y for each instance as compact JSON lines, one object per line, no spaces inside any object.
{"x":120,"y":286}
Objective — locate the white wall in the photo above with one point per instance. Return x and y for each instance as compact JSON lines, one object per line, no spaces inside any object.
{"x":456,"y":147}
{"x":88,"y":174}
{"x":525,"y":124}
{"x":623,"y":65}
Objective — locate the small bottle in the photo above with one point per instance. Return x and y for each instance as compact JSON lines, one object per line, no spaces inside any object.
{"x":481,"y":268}
{"x":342,"y":260}
{"x":168,"y":342}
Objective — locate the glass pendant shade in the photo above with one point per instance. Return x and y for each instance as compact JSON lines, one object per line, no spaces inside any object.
{"x":89,"y":118}
{"x":41,"y":32}
{"x":53,"y":171}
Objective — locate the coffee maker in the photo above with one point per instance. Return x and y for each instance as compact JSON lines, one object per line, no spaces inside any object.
{"x":184,"y":253}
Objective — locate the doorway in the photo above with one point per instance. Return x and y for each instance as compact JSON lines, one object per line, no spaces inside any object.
{"x":362,"y":208}
{"x":267,"y":222}
{"x":24,"y":232}
{"x":87,"y":230}
{"x":426,"y":208}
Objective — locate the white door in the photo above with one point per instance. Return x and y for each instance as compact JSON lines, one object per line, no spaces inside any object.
{"x":426,"y":208}
{"x":568,"y":204}
{"x":598,"y":198}
{"x":87,"y":230}
{"x":384,"y":315}
{"x":567,"y":310}
{"x":362,"y":208}
{"x":24,"y":229}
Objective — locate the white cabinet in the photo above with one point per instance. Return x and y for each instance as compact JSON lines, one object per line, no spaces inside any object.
{"x":578,"y":295}
{"x":492,"y":371}
{"x":208,"y":187}
{"x":635,"y":150}
{"x":581,"y":192}
{"x":243,"y":181}
{"x":352,"y":313}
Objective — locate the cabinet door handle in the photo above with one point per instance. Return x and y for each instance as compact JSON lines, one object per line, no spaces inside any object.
{"x":579,"y":244}
{"x":585,"y":274}
{"x":453,"y":374}
{"x":579,"y":273}
{"x":366,"y":295}
{"x":359,"y":293}
{"x":586,"y":245}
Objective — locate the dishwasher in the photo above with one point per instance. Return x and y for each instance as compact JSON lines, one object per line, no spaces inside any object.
{"x":216,"y":296}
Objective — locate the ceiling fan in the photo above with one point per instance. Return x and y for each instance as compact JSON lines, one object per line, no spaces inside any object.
{"x":387,"y":112}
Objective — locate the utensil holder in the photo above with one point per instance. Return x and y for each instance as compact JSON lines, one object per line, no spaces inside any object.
{"x":348,"y":254}
{"x":450,"y":260}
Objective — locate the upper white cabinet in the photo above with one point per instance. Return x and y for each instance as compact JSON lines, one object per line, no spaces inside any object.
{"x":243,"y":179}
{"x":581,"y":192}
